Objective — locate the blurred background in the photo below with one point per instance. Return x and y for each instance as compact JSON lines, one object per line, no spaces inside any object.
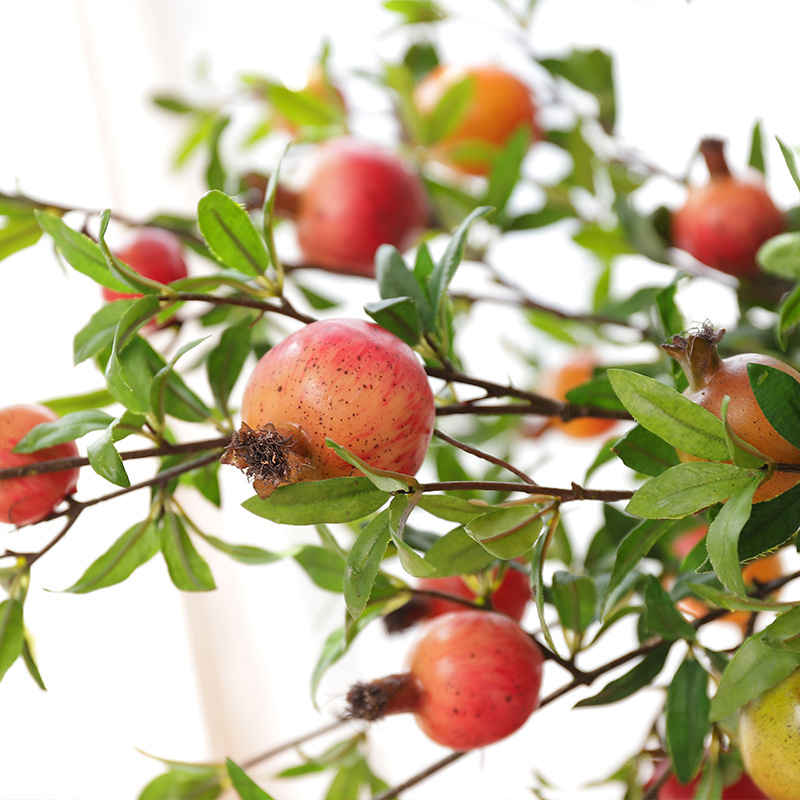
{"x":140,"y":668}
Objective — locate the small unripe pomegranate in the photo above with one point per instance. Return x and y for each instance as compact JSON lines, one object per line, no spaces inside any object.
{"x":723,"y":223}
{"x":769,"y":738}
{"x":510,"y":597}
{"x":712,"y":377}
{"x":501,"y":104}
{"x":358,"y":197}
{"x":29,"y":499}
{"x":473,"y":679}
{"x":154,"y":253}
{"x":344,"y":379}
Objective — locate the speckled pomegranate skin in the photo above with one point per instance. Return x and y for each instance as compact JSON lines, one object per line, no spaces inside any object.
{"x":27,"y":500}
{"x":479,"y":676}
{"x":351,"y":381}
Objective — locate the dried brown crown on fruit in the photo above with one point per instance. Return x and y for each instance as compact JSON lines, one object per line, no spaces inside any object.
{"x":712,"y":377}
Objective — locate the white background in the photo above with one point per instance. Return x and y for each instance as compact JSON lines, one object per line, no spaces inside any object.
{"x":141,"y":666}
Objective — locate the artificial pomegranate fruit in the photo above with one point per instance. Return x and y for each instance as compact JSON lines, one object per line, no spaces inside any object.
{"x":357,"y":197}
{"x":29,"y":499}
{"x":769,"y":738}
{"x":473,"y":679}
{"x":154,"y":253}
{"x":510,"y":597}
{"x":761,"y":570}
{"x":344,"y":379}
{"x":500,"y":104}
{"x":723,"y":223}
{"x":712,"y":377}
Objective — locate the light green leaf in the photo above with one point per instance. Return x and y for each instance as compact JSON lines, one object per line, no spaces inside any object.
{"x":507,"y":532}
{"x":364,"y":562}
{"x":12,"y":633}
{"x":187,"y":568}
{"x":383,"y":479}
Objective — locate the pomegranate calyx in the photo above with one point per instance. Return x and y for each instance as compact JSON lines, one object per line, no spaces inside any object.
{"x":266,"y":456}
{"x":392,"y":694}
{"x":713,"y":152}
{"x":697,"y":354}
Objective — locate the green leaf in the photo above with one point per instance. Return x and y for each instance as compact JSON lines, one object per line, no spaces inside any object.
{"x":135,"y":547}
{"x":313,"y":502}
{"x":445,"y":268}
{"x":215,"y":170}
{"x":79,"y":251}
{"x":411,"y":561}
{"x":640,"y":676}
{"x":755,"y":667}
{"x":164,"y":380}
{"x":687,"y":719}
{"x":670,"y":415}
{"x":19,"y":233}
{"x":547,"y":215}
{"x":451,"y":508}
{"x":506,"y":169}
{"x":457,"y":553}
{"x":415,"y":11}
{"x":12,"y":633}
{"x":383,"y":479}
{"x":449,"y":111}
{"x":364,"y":562}
{"x":575,"y":599}
{"x":592,"y":71}
{"x":303,"y":107}
{"x":687,"y":488}
{"x":30,"y":661}
{"x":780,"y":255}
{"x":231,"y":235}
{"x":244,"y":786}
{"x":399,"y":316}
{"x":756,"y":158}
{"x":187,"y":568}
{"x":788,"y":315}
{"x":791,"y":161}
{"x":104,"y":458}
{"x":661,"y":615}
{"x":244,"y":553}
{"x":722,"y":540}
{"x":89,"y":401}
{"x":770,"y":524}
{"x":67,"y":429}
{"x":225,"y":362}
{"x":325,"y":567}
{"x":632,"y":549}
{"x":778,"y":396}
{"x":179,"y":784}
{"x":507,"y":532}
{"x":98,"y":333}
{"x":643,"y":451}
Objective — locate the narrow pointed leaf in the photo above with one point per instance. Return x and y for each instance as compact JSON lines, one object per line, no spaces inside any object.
{"x":364,"y":562}
{"x":12,"y":633}
{"x":187,"y":568}
{"x":687,"y":719}
{"x":67,"y":429}
{"x":243,"y":784}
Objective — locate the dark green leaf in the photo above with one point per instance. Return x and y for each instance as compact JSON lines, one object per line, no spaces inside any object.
{"x":670,"y":415}
{"x":364,"y":562}
{"x":104,"y":458}
{"x":778,"y":396}
{"x":12,"y":633}
{"x":399,"y":316}
{"x":135,"y":547}
{"x":231,"y":235}
{"x":643,"y":451}
{"x":225,"y":362}
{"x":457,"y":553}
{"x":687,"y":488}
{"x":30,"y":661}
{"x":791,"y":161}
{"x":384,"y":479}
{"x":770,"y":524}
{"x":312,"y":502}
{"x":642,"y":675}
{"x":662,"y":616}
{"x":187,"y":568}
{"x":164,"y":381}
{"x":538,"y":219}
{"x":325,"y":567}
{"x":575,"y":599}
{"x":395,"y":279}
{"x":98,"y":333}
{"x":687,"y":719}
{"x":244,"y":786}
{"x":411,"y":561}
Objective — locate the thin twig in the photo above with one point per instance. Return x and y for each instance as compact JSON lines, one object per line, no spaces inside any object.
{"x":306,"y":737}
{"x":390,"y":794}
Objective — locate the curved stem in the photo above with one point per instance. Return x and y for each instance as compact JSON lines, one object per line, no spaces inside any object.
{"x":474,"y":451}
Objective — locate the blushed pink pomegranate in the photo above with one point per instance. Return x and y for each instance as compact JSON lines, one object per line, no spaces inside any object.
{"x":473,"y":679}
{"x":344,"y":379}
{"x":723,"y":223}
{"x":358,"y":197}
{"x":29,"y":499}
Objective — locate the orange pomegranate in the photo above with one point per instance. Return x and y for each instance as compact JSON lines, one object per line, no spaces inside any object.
{"x":500,"y":104}
{"x":711,"y":378}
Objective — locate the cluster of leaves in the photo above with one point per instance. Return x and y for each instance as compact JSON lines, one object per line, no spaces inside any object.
{"x":364,"y":524}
